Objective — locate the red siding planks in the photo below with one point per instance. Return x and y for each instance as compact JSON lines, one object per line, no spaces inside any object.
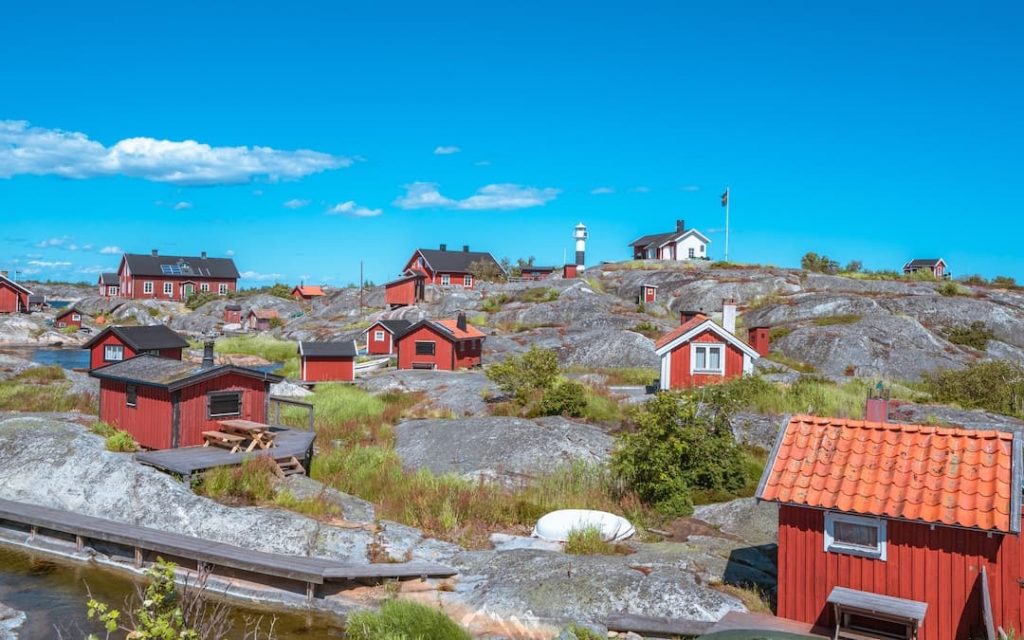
{"x":328,"y":369}
{"x":680,"y":376}
{"x":149,"y":421}
{"x":192,"y":405}
{"x":378,"y":347}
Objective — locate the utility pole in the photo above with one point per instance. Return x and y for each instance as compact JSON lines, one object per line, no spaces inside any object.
{"x":725,"y":203}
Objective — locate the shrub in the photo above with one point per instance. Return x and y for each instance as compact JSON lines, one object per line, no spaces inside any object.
{"x":588,"y":541}
{"x":579,"y":632}
{"x":403,"y":620}
{"x":102,"y":429}
{"x":974,"y":280}
{"x":647,"y":328}
{"x":121,"y":441}
{"x":537,"y":294}
{"x":69,"y":331}
{"x":1005,"y":282}
{"x":995,"y":385}
{"x":818,"y":264}
{"x":485,"y":271}
{"x":777,"y":333}
{"x":493,"y":304}
{"x":853,"y":266}
{"x":950,"y":289}
{"x":976,"y":335}
{"x":848,"y":318}
{"x":249,"y":483}
{"x":521,"y":375}
{"x":197,"y":300}
{"x":568,"y":398}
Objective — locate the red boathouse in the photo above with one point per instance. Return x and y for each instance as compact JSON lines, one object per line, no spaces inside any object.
{"x":921,"y":517}
{"x":699,"y":352}
{"x":380,"y":336}
{"x":165,"y":404}
{"x":70,"y":317}
{"x":440,"y":344}
{"x":328,"y":361}
{"x":115,"y":344}
{"x":13,"y":296}
{"x":405,"y":291}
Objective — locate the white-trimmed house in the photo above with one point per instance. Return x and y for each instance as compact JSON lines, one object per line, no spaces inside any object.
{"x":700,"y":352}
{"x":681,"y":244}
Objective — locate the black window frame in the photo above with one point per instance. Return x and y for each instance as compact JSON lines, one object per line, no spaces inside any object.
{"x":131,"y":395}
{"x":431,"y":343}
{"x":217,"y":395}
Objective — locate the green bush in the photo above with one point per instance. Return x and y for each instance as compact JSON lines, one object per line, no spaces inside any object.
{"x":976,"y":335}
{"x":403,"y":620}
{"x":588,"y":541}
{"x":950,"y":289}
{"x":102,"y":429}
{"x":537,"y":294}
{"x":579,"y":632}
{"x":647,"y":328}
{"x":493,"y":304}
{"x":520,"y":376}
{"x":568,"y":398}
{"x":1004,"y":282}
{"x":197,"y":300}
{"x":828,"y":321}
{"x":818,"y":264}
{"x":122,"y":442}
{"x":994,"y":385}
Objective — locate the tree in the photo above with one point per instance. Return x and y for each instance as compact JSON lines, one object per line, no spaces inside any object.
{"x":818,"y":264}
{"x":486,"y":271}
{"x":853,"y":266}
{"x":522,"y":376}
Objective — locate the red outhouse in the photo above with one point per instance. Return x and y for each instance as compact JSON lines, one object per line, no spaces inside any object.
{"x":440,"y":344}
{"x":13,"y":296}
{"x":232,"y":314}
{"x":115,"y":344}
{"x":700,"y":352}
{"x":380,"y":336}
{"x":921,"y":521}
{"x":405,"y":291}
{"x":760,"y":339}
{"x":166,"y":404}
{"x":570,"y":271}
{"x":327,"y":361}
{"x":70,"y":317}
{"x":648,"y":293}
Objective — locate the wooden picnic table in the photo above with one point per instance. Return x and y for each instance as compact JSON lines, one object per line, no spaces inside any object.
{"x":258,"y":434}
{"x":223,"y":440}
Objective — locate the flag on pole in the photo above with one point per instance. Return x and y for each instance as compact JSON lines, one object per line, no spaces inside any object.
{"x":725,"y":198}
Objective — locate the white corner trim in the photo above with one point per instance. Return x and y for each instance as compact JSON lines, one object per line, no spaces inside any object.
{"x":666,"y":371}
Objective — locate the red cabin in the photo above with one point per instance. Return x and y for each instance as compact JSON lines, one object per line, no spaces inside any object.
{"x":109,"y":285}
{"x":450,"y":268}
{"x":260,"y":319}
{"x":13,"y":296}
{"x":911,"y":517}
{"x":306,"y":293}
{"x":405,"y":291}
{"x":935,"y":266}
{"x":70,"y":317}
{"x":700,"y":352}
{"x":232,"y":314}
{"x":174,"y":277}
{"x":328,"y":361}
{"x":536,"y":273}
{"x":570,"y":271}
{"x":165,"y":404}
{"x":446,"y":345}
{"x":648,"y":293}
{"x":115,"y":344}
{"x":380,"y":336}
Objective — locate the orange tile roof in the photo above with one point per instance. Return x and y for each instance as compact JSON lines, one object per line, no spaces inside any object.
{"x":452,"y":327}
{"x":950,"y":476}
{"x":310,"y":290}
{"x":680,"y":330}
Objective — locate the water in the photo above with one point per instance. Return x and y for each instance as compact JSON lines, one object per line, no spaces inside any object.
{"x":53,"y":595}
{"x":66,"y":357}
{"x":58,"y":304}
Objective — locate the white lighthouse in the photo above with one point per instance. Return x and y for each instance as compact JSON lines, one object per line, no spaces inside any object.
{"x":580,"y":234}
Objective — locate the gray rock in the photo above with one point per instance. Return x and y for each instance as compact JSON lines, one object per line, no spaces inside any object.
{"x":746,"y":518}
{"x":10,"y":621}
{"x":604,"y":348}
{"x":941,"y":415}
{"x":460,"y":393}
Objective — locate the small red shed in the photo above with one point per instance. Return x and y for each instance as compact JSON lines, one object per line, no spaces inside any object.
{"x":440,"y":344}
{"x":109,"y":285}
{"x":570,"y":271}
{"x":405,"y":291}
{"x":887,"y":512}
{"x":307,"y":292}
{"x":260,"y":319}
{"x":328,"y":361}
{"x":232,"y":314}
{"x":115,"y":344}
{"x":13,"y":296}
{"x":70,"y":317}
{"x":166,"y":404}
{"x":700,"y":352}
{"x":380,"y":336}
{"x":648,"y":293}
{"x":760,"y":339}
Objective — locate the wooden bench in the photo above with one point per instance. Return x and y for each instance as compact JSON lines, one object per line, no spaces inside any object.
{"x":869,"y":616}
{"x":223,"y":440}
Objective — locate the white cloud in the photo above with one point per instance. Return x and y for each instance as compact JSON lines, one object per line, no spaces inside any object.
{"x":111,"y":250}
{"x":229,"y":253}
{"x":46,"y":264}
{"x":25,"y":149}
{"x":446,"y":150}
{"x":86,"y":247}
{"x":181,"y":206}
{"x":94,"y":269}
{"x":72,"y":247}
{"x":602,"y":191}
{"x":352,"y":209}
{"x":425,"y":195}
{"x":53,"y":242}
{"x":295,"y":203}
{"x":261,"y":277}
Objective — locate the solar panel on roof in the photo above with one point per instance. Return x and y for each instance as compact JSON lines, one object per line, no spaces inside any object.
{"x":170,"y":269}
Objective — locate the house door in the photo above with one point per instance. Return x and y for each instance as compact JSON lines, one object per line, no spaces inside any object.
{"x":187,"y":290}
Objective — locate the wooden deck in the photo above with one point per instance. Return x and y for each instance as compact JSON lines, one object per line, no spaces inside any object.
{"x":143,"y":540}
{"x":186,"y":461}
{"x":734,"y":620}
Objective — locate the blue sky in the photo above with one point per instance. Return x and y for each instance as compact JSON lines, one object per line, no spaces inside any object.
{"x":306,"y":137}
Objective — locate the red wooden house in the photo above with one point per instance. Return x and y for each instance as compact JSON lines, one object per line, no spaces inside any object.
{"x":533,"y":272}
{"x":935,"y":266}
{"x":449,"y":268}
{"x":174,"y":277}
{"x":115,"y":344}
{"x":380,"y":336}
{"x":570,"y":271}
{"x":167,"y":403}
{"x":232,"y":314}
{"x":328,"y":361}
{"x":699,"y":352}
{"x":13,"y":296}
{"x":440,"y":344}
{"x":307,"y":292}
{"x":405,"y":291}
{"x":260,"y":319}
{"x":70,"y":317}
{"x":648,"y":293}
{"x":109,"y":285}
{"x":898,"y":515}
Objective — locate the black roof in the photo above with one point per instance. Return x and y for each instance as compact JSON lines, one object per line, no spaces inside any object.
{"x":344,"y":349}
{"x":107,"y":279}
{"x":653,"y":238}
{"x":36,"y":298}
{"x":233,"y":307}
{"x":154,"y":371}
{"x":180,"y":266}
{"x":924,"y":262}
{"x":394,"y":326}
{"x":156,"y":336}
{"x":457,"y":261}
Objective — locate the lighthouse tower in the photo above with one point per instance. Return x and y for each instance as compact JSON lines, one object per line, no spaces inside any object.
{"x":580,"y":234}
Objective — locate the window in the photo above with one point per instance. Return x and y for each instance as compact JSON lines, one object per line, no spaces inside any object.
{"x":130,"y":395}
{"x":204,"y":287}
{"x":222,"y":288}
{"x":220,"y":405}
{"x":111,"y":291}
{"x":692,"y":253}
{"x":855,"y":535}
{"x":168,"y":288}
{"x":378,"y":336}
{"x":707,"y":358}
{"x":113,"y":353}
{"x":425,"y":348}
{"x":76,"y":317}
{"x":147,"y":287}
{"x":703,"y":248}
{"x":446,"y":279}
{"x":467,"y":280}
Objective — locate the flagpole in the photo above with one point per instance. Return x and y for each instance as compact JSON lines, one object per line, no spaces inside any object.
{"x":727,"y":199}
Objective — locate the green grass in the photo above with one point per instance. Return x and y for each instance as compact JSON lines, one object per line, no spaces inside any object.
{"x":37,"y":391}
{"x":121,"y":442}
{"x":266,"y":347}
{"x":792,"y":363}
{"x":580,"y":632}
{"x":40,"y":375}
{"x":347,"y":413}
{"x":537,"y":294}
{"x":588,"y":541}
{"x":950,"y":289}
{"x":808,"y":395}
{"x":317,"y":506}
{"x":493,"y":304}
{"x":777,"y":333}
{"x":249,"y":483}
{"x":403,"y":620}
{"x":596,"y":285}
{"x":828,"y":321}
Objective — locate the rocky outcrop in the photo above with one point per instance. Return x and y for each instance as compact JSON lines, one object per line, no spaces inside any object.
{"x":457,"y":393}
{"x":10,"y":621}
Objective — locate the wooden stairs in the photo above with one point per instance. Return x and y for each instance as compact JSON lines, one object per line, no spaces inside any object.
{"x":288,"y":466}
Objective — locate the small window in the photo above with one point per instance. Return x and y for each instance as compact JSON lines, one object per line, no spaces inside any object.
{"x":111,"y":291}
{"x":708,"y":358}
{"x":467,"y":280}
{"x":113,"y":353}
{"x":445,"y":279}
{"x":425,"y":348}
{"x":855,"y":535}
{"x":147,"y":287}
{"x":130,"y":395}
{"x":168,"y":288}
{"x":378,"y":336}
{"x":204,"y":287}
{"x":693,"y":253}
{"x":222,"y":405}
{"x":703,"y":248}
{"x":222,"y":289}
{"x":76,"y":317}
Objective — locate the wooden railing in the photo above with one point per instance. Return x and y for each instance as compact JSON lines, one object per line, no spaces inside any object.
{"x":277,"y":401}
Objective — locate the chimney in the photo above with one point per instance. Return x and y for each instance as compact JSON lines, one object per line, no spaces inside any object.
{"x":876,"y":408}
{"x":760,"y":339}
{"x":465,"y":248}
{"x":460,"y":321}
{"x":203,"y":255}
{"x":207,"y":354}
{"x":444,"y":247}
{"x":3,"y":274}
{"x":153,"y":253}
{"x":680,"y":225}
{"x":729,"y":316}
{"x":686,"y":316}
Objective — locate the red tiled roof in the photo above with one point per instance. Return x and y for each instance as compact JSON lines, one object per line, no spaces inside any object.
{"x":310,"y":290}
{"x":950,"y":476}
{"x":680,"y":330}
{"x":452,"y":327}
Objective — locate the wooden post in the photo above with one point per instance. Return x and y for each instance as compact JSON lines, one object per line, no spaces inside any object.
{"x":34,"y":531}
{"x":138,"y":558}
{"x":79,"y":543}
{"x":310,"y":592}
{"x":310,"y":411}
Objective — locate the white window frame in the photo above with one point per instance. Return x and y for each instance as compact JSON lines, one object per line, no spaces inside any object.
{"x":168,"y":288}
{"x":76,"y":317}
{"x":222,"y":289}
{"x":446,"y":280}
{"x":147,"y":288}
{"x":831,"y":546}
{"x":378,"y":336}
{"x":695,"y":346}
{"x":111,"y":290}
{"x":204,"y":287}
{"x":467,"y":280}
{"x":112,"y":349}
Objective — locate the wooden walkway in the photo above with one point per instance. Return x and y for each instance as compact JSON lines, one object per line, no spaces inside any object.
{"x":141,"y":541}
{"x":186,"y":461}
{"x":649,"y":626}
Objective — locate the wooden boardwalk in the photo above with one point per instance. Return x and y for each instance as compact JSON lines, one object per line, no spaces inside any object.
{"x":141,"y":541}
{"x":186,"y":461}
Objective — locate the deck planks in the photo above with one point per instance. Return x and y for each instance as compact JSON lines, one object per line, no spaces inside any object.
{"x":186,"y":461}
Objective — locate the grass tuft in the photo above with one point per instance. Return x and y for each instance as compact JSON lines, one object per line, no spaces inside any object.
{"x":403,"y":620}
{"x":588,"y":541}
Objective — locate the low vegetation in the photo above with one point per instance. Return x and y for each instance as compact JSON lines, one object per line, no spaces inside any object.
{"x":950,"y":289}
{"x":254,"y":483}
{"x":993,"y":385}
{"x":588,"y":541}
{"x":494,"y":303}
{"x":116,"y":440}
{"x":537,"y":294}
{"x":809,"y":394}
{"x":975,"y":335}
{"x":648,"y":329}
{"x":43,"y":389}
{"x":263,"y":346}
{"x":819,"y":264}
{"x":828,"y":321}
{"x":403,"y":620}
{"x":792,"y":363}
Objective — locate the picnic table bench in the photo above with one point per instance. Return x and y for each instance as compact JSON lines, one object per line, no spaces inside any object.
{"x":257,"y":434}
{"x":223,"y":440}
